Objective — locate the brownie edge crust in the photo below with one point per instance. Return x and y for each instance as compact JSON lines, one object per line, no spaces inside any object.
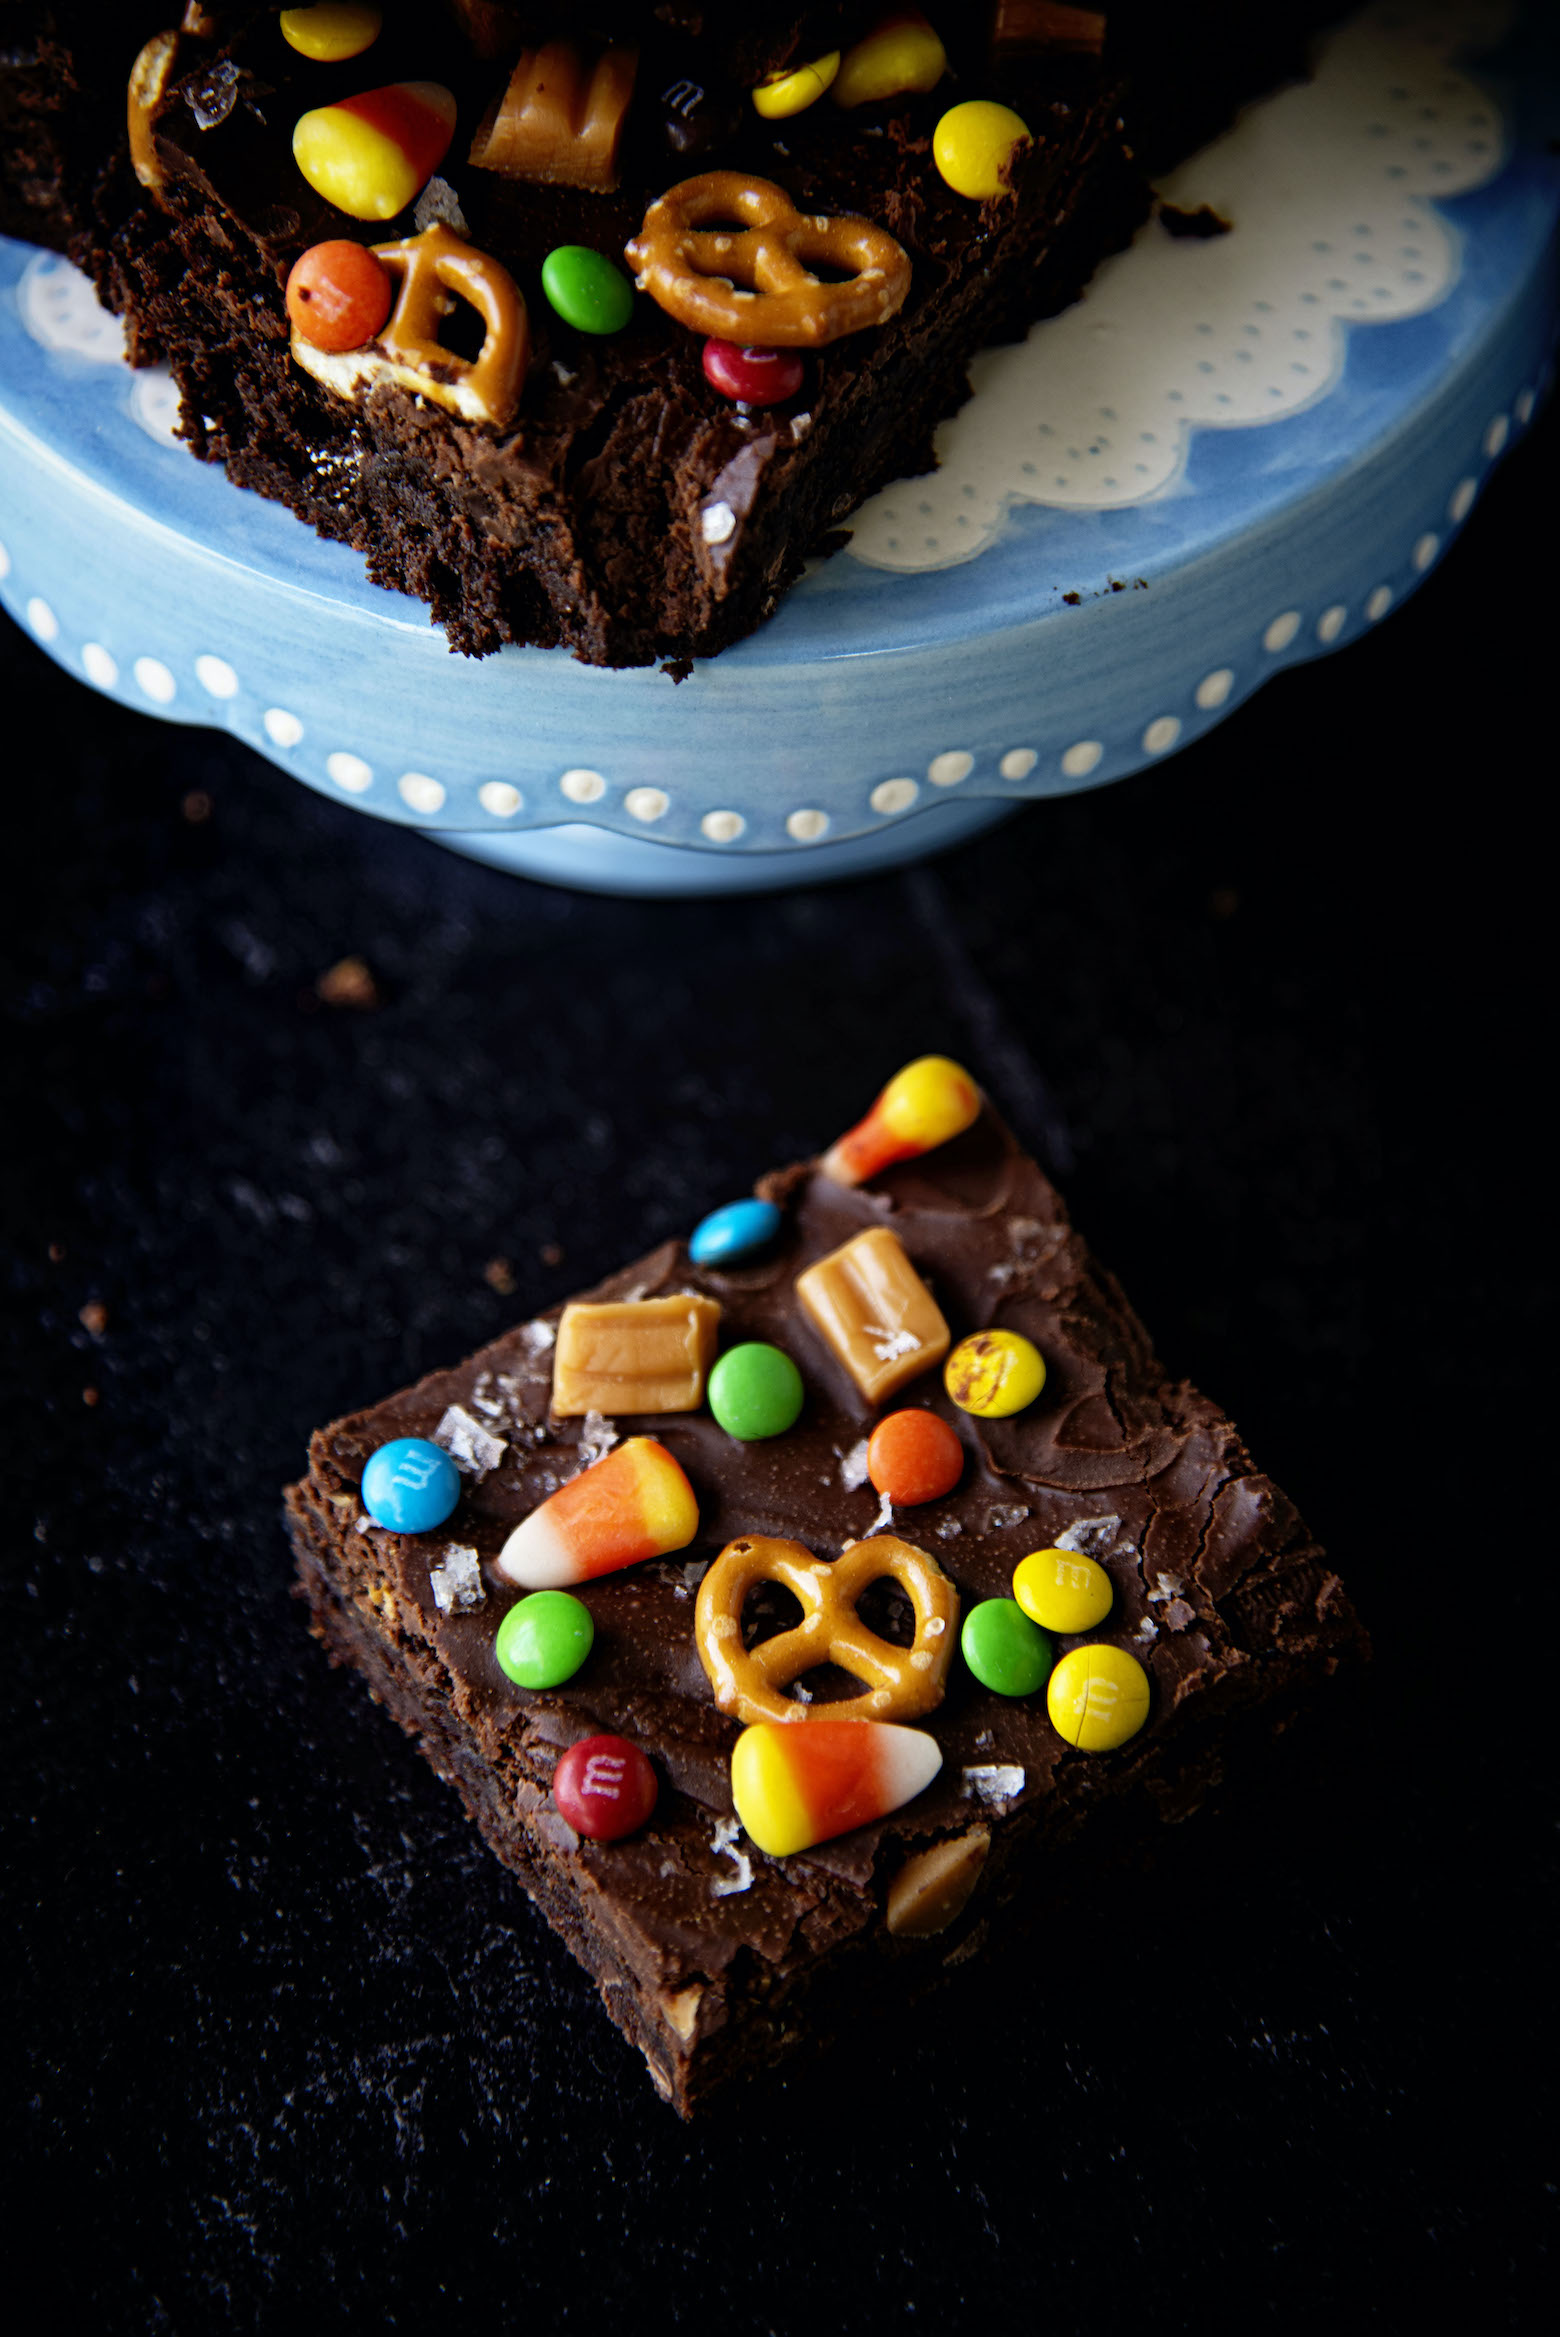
{"x":714,"y":1959}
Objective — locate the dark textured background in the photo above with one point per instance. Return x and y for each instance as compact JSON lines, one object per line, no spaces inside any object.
{"x":287,"y":2045}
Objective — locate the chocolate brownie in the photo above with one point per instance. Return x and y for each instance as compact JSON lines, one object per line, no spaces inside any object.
{"x":713,"y":1958}
{"x":627,"y":507}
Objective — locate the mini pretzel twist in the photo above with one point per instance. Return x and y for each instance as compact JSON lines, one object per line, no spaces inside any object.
{"x":900,"y":1681}
{"x":754,"y":283}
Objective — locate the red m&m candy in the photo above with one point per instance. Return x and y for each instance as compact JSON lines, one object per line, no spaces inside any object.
{"x":339,"y":295}
{"x":755,"y":377}
{"x":605,"y":1788}
{"x":914,"y":1456}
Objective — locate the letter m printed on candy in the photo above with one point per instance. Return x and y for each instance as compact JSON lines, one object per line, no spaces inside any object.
{"x":604,"y":1775}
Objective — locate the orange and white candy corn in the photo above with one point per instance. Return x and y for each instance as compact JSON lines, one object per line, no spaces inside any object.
{"x":634,"y":1504}
{"x":924,"y":1105}
{"x":797,"y":1785}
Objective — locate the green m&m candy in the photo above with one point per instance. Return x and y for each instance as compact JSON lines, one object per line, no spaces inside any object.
{"x":587,"y":291}
{"x":1007,"y":1653}
{"x":755,"y":1391}
{"x":544,"y":1639}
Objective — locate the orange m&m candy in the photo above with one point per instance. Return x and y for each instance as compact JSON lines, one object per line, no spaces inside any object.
{"x":338,"y":296}
{"x":914,"y":1456}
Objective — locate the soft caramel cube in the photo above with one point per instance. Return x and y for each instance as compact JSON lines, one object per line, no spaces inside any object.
{"x":635,"y":1355}
{"x":560,"y":121}
{"x":875,"y":1313}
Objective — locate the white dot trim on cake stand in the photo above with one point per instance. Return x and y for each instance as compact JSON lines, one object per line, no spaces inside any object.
{"x":723,"y":827}
{"x":42,"y":619}
{"x":281,"y":728}
{"x":1084,"y":757}
{"x":154,"y":678}
{"x":1018,"y":762}
{"x":500,"y":798}
{"x":420,"y":793}
{"x":1331,"y":622}
{"x":1214,"y":688}
{"x":1281,"y":632}
{"x":647,"y":804}
{"x":582,"y":786}
{"x":215,"y":676}
{"x":948,"y":770}
{"x":98,"y":666}
{"x":807,"y":825}
{"x":892,"y":796}
{"x":5,"y":563}
{"x":349,"y":771}
{"x":1162,"y":734}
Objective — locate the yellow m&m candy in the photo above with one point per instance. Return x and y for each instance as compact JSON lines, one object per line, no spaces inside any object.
{"x":793,"y":93}
{"x":994,"y":1373}
{"x":330,"y":33}
{"x":974,"y":144}
{"x":1097,"y":1698}
{"x":1062,"y":1591}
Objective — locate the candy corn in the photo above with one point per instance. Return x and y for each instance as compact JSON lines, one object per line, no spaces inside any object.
{"x":922,"y":1106}
{"x":372,"y":155}
{"x":634,"y":1504}
{"x":797,"y":1785}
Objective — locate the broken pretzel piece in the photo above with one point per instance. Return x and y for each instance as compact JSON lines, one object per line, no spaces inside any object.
{"x":559,"y":123}
{"x":874,"y":1313}
{"x":634,"y":1355}
{"x":409,"y":354}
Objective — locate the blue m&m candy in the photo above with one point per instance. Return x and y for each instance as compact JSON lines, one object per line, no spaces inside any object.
{"x":730,"y":1236}
{"x":410,"y":1485}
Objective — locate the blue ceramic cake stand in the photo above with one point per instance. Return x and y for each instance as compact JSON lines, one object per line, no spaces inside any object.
{"x":1233,"y":454}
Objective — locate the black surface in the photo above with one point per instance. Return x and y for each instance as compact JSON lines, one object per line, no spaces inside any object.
{"x":288,"y":2046}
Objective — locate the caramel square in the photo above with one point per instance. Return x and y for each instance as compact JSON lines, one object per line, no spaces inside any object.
{"x":560,"y":121}
{"x":635,"y":1355}
{"x":874,"y":1312}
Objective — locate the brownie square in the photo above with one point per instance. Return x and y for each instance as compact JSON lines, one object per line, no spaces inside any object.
{"x":712,"y":1958}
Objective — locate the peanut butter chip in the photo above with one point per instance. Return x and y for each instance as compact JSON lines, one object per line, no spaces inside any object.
{"x":934,"y":1886}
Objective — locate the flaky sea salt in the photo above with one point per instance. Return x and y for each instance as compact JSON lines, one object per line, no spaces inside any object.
{"x":474,"y":1449}
{"x":597,"y":1437}
{"x":457,"y":1584}
{"x":853,"y":1466}
{"x":724,"y":1843}
{"x":1089,"y":1536}
{"x":994,"y":1782}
